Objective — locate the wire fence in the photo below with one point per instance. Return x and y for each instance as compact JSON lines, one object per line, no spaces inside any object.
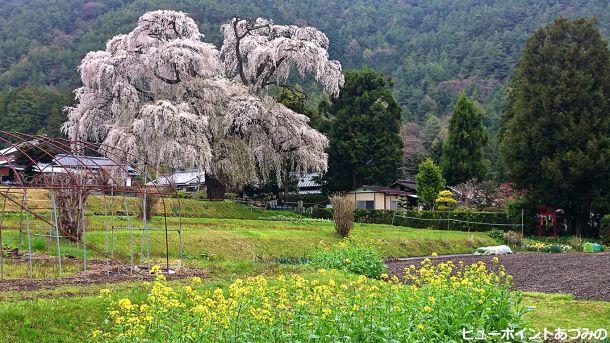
{"x":461,"y":221}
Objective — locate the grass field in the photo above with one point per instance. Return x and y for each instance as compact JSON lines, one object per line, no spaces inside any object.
{"x":233,"y":241}
{"x":236,"y":239}
{"x":562,"y":311}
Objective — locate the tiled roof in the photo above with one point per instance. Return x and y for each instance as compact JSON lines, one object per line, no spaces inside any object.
{"x":182,"y":178}
{"x":406,"y":182}
{"x":93,"y":162}
{"x":309,"y":180}
{"x":13,"y":149}
{"x":380,"y":189}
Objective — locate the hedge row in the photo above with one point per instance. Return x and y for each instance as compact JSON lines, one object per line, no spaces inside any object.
{"x":430,"y":219}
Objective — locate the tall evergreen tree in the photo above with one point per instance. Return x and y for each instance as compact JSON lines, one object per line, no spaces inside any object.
{"x":556,"y":130}
{"x":429,"y":183}
{"x":462,"y":157}
{"x":365,"y":146}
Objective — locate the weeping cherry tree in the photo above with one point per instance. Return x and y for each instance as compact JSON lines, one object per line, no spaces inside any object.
{"x":160,"y":94}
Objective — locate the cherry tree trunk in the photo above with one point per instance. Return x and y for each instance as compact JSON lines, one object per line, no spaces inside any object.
{"x":215,"y":188}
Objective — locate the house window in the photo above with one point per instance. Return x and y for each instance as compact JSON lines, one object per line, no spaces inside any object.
{"x":393,"y":204}
{"x":365,"y":205}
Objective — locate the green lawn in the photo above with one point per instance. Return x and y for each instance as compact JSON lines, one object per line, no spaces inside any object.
{"x":238,"y":239}
{"x":562,"y":311}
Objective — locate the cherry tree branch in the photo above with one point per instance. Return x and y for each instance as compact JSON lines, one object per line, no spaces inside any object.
{"x":240,"y":63}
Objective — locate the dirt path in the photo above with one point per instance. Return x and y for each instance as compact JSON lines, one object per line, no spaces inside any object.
{"x":586,"y":276}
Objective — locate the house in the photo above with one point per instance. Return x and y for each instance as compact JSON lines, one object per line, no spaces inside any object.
{"x":7,"y":159}
{"x":309,"y":183}
{"x":408,"y":185}
{"x":377,"y":197}
{"x":68,"y":163}
{"x":186,"y":181}
{"x":401,"y":193}
{"x":6,"y":172}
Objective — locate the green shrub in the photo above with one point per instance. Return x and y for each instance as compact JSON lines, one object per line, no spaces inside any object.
{"x":513,"y":208}
{"x":554,"y":248}
{"x":604,"y":230}
{"x":405,"y":218}
{"x":496,"y":234}
{"x":445,"y":200}
{"x":322,"y":213}
{"x":466,"y":209}
{"x":350,"y":256}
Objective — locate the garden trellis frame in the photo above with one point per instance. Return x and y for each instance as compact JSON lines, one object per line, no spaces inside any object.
{"x":113,"y":176}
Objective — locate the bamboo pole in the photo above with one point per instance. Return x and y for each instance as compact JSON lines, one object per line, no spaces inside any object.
{"x":29,"y":238}
{"x":106,"y":240}
{"x":53,"y":200}
{"x":131,"y":242}
{"x":1,"y":226}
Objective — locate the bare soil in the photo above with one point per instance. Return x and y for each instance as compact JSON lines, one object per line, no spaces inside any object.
{"x":98,"y":272}
{"x":586,"y":276}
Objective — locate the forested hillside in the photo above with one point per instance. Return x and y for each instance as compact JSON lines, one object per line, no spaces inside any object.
{"x":432,"y":48}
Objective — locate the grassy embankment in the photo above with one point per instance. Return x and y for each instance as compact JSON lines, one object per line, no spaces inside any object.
{"x":215,"y":242}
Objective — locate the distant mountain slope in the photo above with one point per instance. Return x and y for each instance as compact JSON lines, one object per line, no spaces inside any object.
{"x":432,"y":48}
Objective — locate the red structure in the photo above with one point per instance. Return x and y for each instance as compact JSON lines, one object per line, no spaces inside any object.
{"x":547,"y":220}
{"x":60,"y":169}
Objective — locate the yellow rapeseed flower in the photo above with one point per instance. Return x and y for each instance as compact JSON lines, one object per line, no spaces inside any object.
{"x":156,"y":269}
{"x":124,"y":304}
